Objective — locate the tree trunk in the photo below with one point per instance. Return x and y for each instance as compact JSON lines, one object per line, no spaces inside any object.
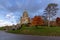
{"x":36,"y":27}
{"x":49,"y":21}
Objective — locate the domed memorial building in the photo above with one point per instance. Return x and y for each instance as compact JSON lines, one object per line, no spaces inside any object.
{"x":25,"y":19}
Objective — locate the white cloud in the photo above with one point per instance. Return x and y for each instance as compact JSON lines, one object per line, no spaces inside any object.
{"x":4,"y":23}
{"x":10,"y":16}
{"x":10,"y":20}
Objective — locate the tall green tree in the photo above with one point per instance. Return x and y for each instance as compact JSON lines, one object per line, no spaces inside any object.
{"x":51,"y":11}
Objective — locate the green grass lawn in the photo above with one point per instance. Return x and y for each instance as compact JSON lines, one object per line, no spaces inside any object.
{"x":41,"y":31}
{"x":1,"y":28}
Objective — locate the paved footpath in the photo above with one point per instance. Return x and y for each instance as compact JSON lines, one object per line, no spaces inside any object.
{"x":9,"y":36}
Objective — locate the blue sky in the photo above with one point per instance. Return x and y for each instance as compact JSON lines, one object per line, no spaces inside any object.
{"x":12,"y":10}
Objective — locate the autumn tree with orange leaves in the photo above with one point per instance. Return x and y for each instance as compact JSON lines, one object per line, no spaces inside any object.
{"x":37,"y":21}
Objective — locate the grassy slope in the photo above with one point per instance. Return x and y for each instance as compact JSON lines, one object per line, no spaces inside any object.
{"x":42,"y":31}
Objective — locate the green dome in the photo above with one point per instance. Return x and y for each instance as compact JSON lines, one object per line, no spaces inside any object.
{"x":25,"y":14}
